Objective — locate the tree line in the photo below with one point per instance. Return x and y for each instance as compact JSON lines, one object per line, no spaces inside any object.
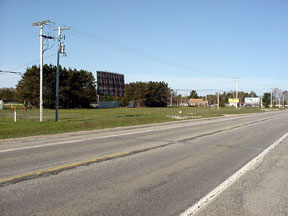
{"x":78,"y":90}
{"x":149,"y":94}
{"x":8,"y":94}
{"x":224,"y":97}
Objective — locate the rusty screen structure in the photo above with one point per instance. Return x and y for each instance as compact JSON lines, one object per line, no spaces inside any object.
{"x":110,"y":84}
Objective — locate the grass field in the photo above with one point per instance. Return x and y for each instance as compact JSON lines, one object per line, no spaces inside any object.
{"x":87,"y":119}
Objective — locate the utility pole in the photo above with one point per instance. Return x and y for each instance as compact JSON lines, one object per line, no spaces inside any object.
{"x":62,"y":51}
{"x":171,"y":98}
{"x":279,"y":98}
{"x":218,"y":100}
{"x":176,"y":98}
{"x":271,"y":99}
{"x":237,"y":83}
{"x":41,"y":25}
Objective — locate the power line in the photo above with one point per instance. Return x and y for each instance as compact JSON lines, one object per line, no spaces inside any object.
{"x":36,"y":61}
{"x":27,"y":50}
{"x":124,"y":48}
{"x":12,"y":72}
{"x":200,"y":90}
{"x":2,"y":72}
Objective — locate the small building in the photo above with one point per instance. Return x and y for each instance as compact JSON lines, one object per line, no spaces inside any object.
{"x":198,"y":103}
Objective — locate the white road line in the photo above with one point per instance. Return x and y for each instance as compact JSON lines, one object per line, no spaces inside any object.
{"x":118,"y":135}
{"x":228,"y":182}
{"x":96,"y":138}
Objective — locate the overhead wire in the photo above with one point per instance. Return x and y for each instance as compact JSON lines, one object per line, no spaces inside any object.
{"x":136,"y":52}
{"x":47,"y":38}
{"x":28,"y":48}
{"x":199,"y":90}
{"x":21,"y":66}
{"x":48,"y":47}
{"x":12,"y":72}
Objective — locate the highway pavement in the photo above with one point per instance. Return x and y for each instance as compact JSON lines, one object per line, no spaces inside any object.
{"x":159,"y":169}
{"x":260,"y":192}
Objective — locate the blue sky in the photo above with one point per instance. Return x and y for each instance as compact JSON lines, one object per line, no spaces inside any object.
{"x":198,"y":44}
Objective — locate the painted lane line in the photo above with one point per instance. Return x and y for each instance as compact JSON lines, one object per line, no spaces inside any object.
{"x":81,"y":140}
{"x":58,"y":169}
{"x":125,"y":134}
{"x":102,"y":137}
{"x":228,"y":182}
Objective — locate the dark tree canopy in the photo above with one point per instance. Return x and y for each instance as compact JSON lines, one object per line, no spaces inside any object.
{"x":193,"y":94}
{"x":8,"y":94}
{"x":77,"y":88}
{"x":224,"y":97}
{"x":266,"y":99}
{"x":150,"y":94}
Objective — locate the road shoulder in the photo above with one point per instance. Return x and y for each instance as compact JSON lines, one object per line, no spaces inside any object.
{"x":261,"y":191}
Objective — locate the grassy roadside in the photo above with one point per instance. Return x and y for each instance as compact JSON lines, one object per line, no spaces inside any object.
{"x":88,"y":119}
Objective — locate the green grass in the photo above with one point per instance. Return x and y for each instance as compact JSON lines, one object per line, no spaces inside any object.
{"x":87,"y":119}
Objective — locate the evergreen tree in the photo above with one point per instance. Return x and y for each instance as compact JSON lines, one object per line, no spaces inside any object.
{"x":76,"y":90}
{"x":193,"y":94}
{"x":150,"y":94}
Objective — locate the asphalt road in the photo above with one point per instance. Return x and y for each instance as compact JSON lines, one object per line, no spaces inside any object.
{"x":160,"y":169}
{"x":260,"y":192}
